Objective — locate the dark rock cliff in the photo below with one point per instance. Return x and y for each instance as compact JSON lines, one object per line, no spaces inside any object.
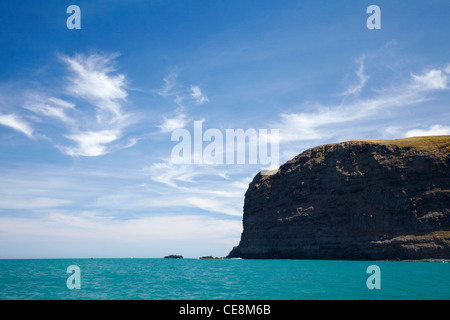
{"x":356,"y":200}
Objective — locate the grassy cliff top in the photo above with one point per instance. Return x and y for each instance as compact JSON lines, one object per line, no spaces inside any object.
{"x":431,"y":144}
{"x":437,"y":145}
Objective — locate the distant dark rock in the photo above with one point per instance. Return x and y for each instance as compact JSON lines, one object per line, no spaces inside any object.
{"x":207,"y":257}
{"x":356,"y":200}
{"x":173,"y":256}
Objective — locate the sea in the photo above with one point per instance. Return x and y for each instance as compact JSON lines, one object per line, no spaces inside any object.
{"x":221,"y":279}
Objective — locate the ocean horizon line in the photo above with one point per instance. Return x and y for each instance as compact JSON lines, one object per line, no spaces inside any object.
{"x":222,"y":258}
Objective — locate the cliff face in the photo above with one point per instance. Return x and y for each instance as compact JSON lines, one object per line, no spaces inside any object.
{"x":356,"y":200}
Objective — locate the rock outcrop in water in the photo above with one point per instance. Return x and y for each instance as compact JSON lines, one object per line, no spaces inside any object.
{"x":173,"y":256}
{"x":356,"y":200}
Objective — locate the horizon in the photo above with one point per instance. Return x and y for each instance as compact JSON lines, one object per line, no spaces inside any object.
{"x":89,"y":117}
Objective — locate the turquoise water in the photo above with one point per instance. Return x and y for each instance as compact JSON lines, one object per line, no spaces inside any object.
{"x":180,"y":279}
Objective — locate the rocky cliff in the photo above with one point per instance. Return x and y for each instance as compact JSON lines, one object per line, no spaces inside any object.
{"x":356,"y":200}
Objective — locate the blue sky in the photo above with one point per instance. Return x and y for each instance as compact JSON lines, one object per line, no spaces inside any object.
{"x":86,"y":115}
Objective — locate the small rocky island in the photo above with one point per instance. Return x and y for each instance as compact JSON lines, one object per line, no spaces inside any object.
{"x":173,"y":256}
{"x":355,"y":200}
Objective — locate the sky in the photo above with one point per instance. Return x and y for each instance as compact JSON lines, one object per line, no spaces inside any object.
{"x":87,"y":116}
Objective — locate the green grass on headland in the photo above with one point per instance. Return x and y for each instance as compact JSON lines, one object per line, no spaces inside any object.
{"x":432,"y":144}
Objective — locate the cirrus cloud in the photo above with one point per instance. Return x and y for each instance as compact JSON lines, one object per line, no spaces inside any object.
{"x":15,"y":122}
{"x":322,"y":122}
{"x":87,"y":111}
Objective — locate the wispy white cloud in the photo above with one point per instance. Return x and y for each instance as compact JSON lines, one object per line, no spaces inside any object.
{"x":432,"y":131}
{"x":198,"y":95}
{"x":355,"y":89}
{"x":96,"y":128}
{"x":432,"y":80}
{"x":91,"y":143}
{"x":91,"y":118}
{"x":177,"y":121}
{"x":322,"y":123}
{"x":215,"y":205}
{"x":169,"y":84}
{"x":93,"y":79}
{"x":170,"y":174}
{"x":205,"y":187}
{"x":61,"y":103}
{"x":392,"y":131}
{"x":182,"y":97}
{"x":49,"y":111}
{"x":15,"y":122}
{"x":51,"y":108}
{"x":391,"y":43}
